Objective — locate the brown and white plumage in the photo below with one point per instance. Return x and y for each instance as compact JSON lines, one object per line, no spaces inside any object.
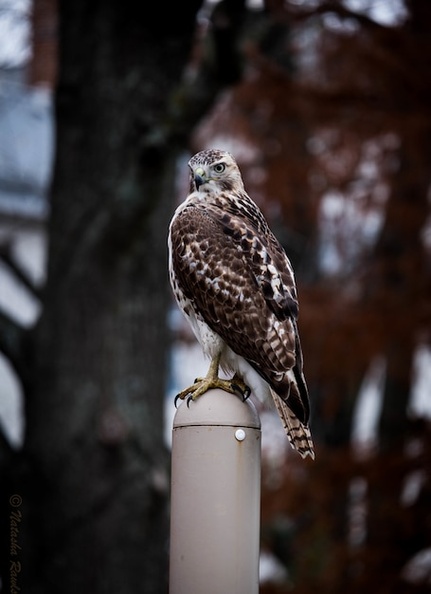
{"x":235,"y":284}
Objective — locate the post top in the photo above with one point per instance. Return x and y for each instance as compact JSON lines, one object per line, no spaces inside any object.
{"x":217,"y":407}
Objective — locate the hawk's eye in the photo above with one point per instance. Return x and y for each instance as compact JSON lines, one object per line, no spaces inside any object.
{"x":219,"y":168}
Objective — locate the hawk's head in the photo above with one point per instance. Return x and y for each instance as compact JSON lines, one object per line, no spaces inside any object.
{"x":214,"y":170}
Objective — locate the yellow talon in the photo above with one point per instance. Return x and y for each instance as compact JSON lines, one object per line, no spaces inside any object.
{"x":210,"y":381}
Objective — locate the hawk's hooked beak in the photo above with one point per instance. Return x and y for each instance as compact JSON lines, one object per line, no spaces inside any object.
{"x":200,"y":177}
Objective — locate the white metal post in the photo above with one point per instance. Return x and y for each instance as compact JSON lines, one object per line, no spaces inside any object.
{"x":215,"y":497}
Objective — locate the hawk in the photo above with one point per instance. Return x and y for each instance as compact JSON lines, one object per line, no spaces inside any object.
{"x":235,"y":284}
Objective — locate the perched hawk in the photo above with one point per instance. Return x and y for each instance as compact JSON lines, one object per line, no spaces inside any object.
{"x":235,"y":285}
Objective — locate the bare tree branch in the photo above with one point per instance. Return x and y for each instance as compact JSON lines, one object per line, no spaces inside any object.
{"x":335,"y":7}
{"x":219,"y":66}
{"x":13,"y":338}
{"x":19,"y":272}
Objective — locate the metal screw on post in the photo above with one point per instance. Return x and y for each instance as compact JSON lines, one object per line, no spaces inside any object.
{"x":215,"y":497}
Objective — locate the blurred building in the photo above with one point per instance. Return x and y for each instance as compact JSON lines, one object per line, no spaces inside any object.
{"x":26,"y":152}
{"x":28,"y":64}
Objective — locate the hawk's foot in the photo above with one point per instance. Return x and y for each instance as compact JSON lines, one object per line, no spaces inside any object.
{"x":203,"y":384}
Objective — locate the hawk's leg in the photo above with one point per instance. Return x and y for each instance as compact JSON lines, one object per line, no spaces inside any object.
{"x":202,"y":384}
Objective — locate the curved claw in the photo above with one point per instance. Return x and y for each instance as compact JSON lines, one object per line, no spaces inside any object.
{"x":246,"y":393}
{"x":178,"y":397}
{"x":243,"y":391}
{"x":189,"y":399}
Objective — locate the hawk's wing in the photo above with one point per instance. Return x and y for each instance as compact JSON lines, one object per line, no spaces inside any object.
{"x":240,"y":282}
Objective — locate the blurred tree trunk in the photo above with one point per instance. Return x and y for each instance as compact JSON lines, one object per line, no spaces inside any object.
{"x":400,"y":284}
{"x":401,"y":280}
{"x":96,"y":488}
{"x":401,"y":277}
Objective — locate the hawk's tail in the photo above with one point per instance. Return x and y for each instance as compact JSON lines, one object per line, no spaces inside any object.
{"x":299,"y":434}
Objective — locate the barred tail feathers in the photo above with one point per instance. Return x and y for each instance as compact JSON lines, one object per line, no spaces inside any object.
{"x":299,"y":434}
